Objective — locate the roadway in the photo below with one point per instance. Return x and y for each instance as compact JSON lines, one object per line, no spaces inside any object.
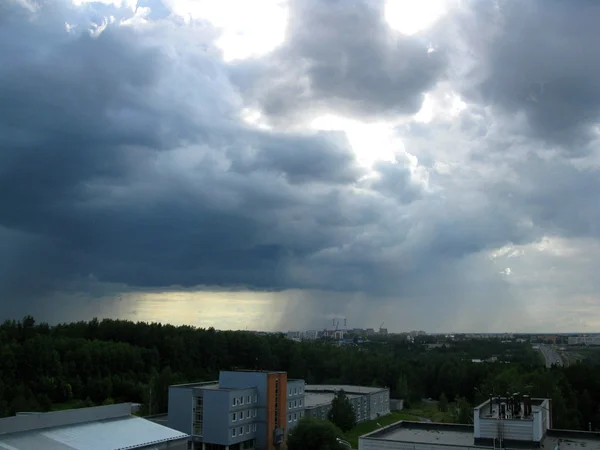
{"x":551,"y":357}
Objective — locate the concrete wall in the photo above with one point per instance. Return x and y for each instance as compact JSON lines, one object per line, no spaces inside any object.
{"x":68,"y":417}
{"x":256,"y":380}
{"x":379,"y":404}
{"x":517,"y":429}
{"x":371,"y":444}
{"x":396,"y":404}
{"x":245,"y":416}
{"x":295,"y":403}
{"x":181,"y":406}
{"x":181,"y":444}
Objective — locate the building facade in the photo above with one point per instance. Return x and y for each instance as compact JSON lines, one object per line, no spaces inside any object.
{"x":368,"y":402}
{"x":242,"y":410}
{"x":584,"y":340}
{"x":246,"y":410}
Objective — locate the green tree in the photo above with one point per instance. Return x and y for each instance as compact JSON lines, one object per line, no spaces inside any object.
{"x":314,"y":434}
{"x":402,"y":387}
{"x":464,"y":411}
{"x":443,"y":403}
{"x":342,"y":412}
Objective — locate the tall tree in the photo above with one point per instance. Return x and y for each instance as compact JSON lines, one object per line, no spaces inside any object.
{"x":443,"y":403}
{"x":342,"y":412}
{"x":314,"y":434}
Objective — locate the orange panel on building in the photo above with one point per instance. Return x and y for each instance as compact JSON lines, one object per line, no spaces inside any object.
{"x":276,"y":406}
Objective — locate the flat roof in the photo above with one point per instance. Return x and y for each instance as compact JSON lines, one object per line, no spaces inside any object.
{"x":425,"y":433}
{"x":345,"y":387}
{"x":463,"y":436}
{"x":111,"y":434}
{"x":202,"y":384}
{"x":550,"y":442}
{"x":313,"y":399}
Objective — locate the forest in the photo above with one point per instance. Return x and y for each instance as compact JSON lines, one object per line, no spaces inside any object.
{"x":78,"y":364}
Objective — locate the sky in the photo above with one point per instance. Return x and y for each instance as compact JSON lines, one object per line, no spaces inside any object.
{"x":273,"y":164}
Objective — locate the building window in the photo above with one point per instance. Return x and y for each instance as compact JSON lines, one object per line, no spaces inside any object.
{"x":241,"y":430}
{"x":242,"y":400}
{"x":289,"y":405}
{"x":255,"y":398}
{"x":295,"y":403}
{"x":248,"y":414}
{"x":249,"y":397}
{"x":295,"y":391}
{"x":233,"y":417}
{"x":295,"y":417}
{"x":234,"y":402}
{"x":300,"y":402}
{"x":254,"y":427}
{"x":233,"y":432}
{"x":289,"y":417}
{"x":290,"y":391}
{"x":253,"y":413}
{"x":247,"y":428}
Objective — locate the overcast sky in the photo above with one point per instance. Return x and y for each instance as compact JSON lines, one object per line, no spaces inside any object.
{"x":271,"y":164}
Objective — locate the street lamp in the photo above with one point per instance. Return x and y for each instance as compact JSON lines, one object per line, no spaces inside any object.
{"x":343,"y":442}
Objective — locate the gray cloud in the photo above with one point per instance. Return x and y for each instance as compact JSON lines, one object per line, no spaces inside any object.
{"x":125,"y":165}
{"x":340,"y":57}
{"x":536,"y":59}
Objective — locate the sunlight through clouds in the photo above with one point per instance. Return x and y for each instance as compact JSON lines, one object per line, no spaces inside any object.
{"x":248,"y":29}
{"x":411,"y":16}
{"x":371,"y":142}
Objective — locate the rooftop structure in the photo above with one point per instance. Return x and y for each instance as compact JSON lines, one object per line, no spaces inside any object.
{"x":109,"y":427}
{"x":513,"y":418}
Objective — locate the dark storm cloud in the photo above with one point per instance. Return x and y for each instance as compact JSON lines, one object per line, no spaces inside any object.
{"x":107,"y":170}
{"x":556,"y":195}
{"x":123,"y":160}
{"x":537,"y":58}
{"x":340,"y":57}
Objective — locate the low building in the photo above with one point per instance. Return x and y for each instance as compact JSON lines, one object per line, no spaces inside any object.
{"x":242,"y":410}
{"x":110,"y":427}
{"x":584,"y":340}
{"x":513,"y":422}
{"x":368,"y":402}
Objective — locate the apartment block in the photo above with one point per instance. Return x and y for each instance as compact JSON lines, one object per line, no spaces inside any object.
{"x":242,"y":410}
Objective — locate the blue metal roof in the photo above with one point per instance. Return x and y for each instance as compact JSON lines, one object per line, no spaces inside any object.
{"x":124,"y":433}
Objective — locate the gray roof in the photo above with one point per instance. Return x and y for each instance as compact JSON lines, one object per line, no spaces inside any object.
{"x":112,"y":434}
{"x":458,"y":436}
{"x":345,"y":387}
{"x":422,"y":435}
{"x":313,"y":399}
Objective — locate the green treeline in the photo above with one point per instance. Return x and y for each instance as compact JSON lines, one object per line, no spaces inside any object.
{"x":98,"y":362}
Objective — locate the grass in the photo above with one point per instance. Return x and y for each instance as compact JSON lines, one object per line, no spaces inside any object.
{"x":416,"y":413}
{"x":432,"y":412}
{"x":71,"y":404}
